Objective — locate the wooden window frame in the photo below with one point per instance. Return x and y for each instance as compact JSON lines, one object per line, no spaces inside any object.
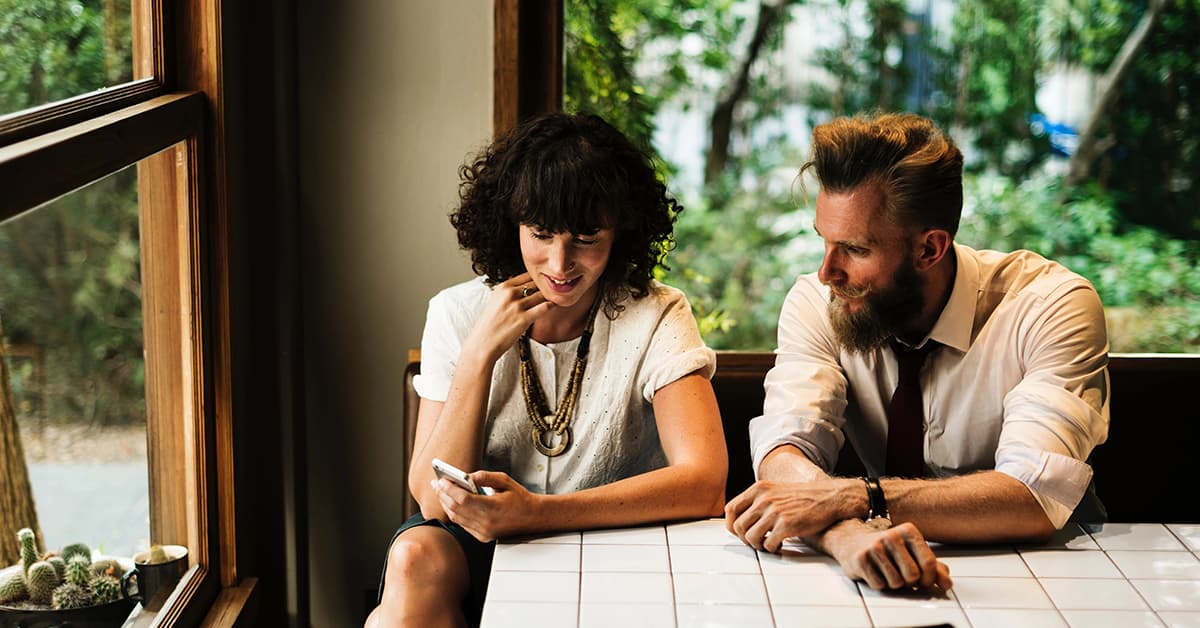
{"x":172,"y":126}
{"x":527,"y":70}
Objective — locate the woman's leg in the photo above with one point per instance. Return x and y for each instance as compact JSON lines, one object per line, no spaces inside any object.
{"x":425,"y":581}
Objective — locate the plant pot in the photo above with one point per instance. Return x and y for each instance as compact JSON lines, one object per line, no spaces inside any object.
{"x":110,"y":615}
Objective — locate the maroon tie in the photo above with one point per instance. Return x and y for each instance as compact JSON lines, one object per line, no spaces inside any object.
{"x":906,"y":415}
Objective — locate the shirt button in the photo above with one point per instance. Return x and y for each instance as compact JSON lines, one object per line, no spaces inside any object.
{"x":540,"y":468}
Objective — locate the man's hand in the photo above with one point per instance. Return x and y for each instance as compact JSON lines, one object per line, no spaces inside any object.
{"x":895,"y":558}
{"x":769,"y":512}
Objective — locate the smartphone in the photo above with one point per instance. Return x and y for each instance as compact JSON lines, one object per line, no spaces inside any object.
{"x":446,"y":470}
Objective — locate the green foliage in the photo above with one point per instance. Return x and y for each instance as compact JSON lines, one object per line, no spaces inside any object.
{"x":70,"y":283}
{"x":55,"y":49}
{"x":865,"y":73}
{"x":72,"y":287}
{"x":1153,"y":168}
{"x":737,"y":264}
{"x":598,"y":75}
{"x":988,"y":77}
{"x":1131,"y":266}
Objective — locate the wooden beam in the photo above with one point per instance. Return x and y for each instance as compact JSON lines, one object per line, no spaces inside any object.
{"x":528,"y":61}
{"x":42,"y":168}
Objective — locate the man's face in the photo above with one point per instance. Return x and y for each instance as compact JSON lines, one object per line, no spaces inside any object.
{"x":875,"y":292}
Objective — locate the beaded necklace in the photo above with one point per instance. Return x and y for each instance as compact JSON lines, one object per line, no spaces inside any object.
{"x":546,"y":424}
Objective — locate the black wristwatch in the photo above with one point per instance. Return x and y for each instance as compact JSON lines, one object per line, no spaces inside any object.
{"x":876,"y":504}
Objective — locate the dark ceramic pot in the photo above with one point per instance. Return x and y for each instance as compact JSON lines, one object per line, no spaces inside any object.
{"x":110,"y":615}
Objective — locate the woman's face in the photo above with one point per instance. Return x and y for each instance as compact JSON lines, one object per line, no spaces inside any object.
{"x":566,"y":267}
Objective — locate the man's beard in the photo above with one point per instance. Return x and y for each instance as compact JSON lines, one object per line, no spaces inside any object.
{"x":884,"y":314}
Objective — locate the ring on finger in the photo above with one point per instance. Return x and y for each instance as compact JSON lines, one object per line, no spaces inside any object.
{"x":528,"y":290}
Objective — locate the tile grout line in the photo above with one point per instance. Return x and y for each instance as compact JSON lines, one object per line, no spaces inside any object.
{"x":1130,"y":581}
{"x":579,"y":584}
{"x":766,"y":592}
{"x":671,"y":576}
{"x":1038,"y":579}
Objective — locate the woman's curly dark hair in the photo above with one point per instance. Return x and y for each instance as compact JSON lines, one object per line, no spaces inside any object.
{"x":570,"y":173}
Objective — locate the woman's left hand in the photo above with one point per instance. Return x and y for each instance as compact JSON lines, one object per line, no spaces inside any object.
{"x":488,"y":517}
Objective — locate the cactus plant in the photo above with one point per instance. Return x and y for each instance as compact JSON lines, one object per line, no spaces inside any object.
{"x":12,"y":586}
{"x":79,"y":570}
{"x":41,"y":580}
{"x":60,"y":565}
{"x":105,"y":589}
{"x":68,"y":580}
{"x":71,"y":595}
{"x":76,"y":549}
{"x":29,"y":552}
{"x":157,"y":555}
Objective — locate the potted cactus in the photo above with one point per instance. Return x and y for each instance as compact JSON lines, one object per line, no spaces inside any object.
{"x":67,"y":588}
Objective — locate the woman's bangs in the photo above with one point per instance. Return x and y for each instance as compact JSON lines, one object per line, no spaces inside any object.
{"x":564,"y":200}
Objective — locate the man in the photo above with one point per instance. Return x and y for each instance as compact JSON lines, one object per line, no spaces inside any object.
{"x":972,"y":384}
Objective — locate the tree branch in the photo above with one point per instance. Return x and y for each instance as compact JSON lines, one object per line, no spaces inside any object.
{"x":1090,"y":148}
{"x":721,"y":127}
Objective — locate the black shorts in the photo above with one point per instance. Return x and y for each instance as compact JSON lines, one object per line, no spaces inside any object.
{"x":479,"y":563}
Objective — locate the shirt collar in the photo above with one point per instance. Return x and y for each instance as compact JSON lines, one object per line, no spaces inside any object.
{"x":954,"y":324}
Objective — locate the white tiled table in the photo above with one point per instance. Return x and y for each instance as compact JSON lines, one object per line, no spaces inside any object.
{"x":697,"y":574}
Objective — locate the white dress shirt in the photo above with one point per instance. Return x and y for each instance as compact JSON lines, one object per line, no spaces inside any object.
{"x":1021,"y":385}
{"x":652,"y":343}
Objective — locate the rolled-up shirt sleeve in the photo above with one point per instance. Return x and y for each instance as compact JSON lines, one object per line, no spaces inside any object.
{"x":1058,"y":412}
{"x":805,"y":399}
{"x":676,"y":349}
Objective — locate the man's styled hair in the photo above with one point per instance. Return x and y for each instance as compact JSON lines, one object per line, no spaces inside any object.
{"x":570,"y":173}
{"x":918,"y":168}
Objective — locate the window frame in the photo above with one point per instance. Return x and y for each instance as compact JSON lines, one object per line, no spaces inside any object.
{"x":527,"y":72}
{"x":172,"y":126}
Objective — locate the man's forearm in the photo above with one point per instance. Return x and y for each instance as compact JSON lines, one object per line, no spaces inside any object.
{"x":787,"y":463}
{"x":984,"y":507}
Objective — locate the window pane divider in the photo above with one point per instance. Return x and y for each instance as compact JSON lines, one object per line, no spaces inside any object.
{"x":45,"y":167}
{"x":49,"y":117}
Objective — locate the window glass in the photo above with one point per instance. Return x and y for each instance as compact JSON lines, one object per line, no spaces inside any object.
{"x":51,"y":50}
{"x":71,"y":313}
{"x":727,"y":93}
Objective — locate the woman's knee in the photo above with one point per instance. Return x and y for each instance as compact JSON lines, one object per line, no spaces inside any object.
{"x":426,"y":554}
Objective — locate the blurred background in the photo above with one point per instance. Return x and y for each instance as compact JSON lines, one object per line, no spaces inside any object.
{"x":726,"y":94}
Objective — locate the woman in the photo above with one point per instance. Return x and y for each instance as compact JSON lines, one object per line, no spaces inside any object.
{"x":565,"y":370}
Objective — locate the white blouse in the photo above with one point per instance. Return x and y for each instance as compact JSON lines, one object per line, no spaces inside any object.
{"x":652,"y":343}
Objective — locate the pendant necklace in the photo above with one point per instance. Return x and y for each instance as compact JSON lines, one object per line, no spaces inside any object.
{"x":546,"y":426}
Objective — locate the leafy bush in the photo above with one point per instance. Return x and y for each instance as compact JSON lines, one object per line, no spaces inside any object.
{"x":1149,"y":282}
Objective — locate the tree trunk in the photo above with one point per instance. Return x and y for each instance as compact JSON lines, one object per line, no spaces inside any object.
{"x":1090,"y":147}
{"x":721,"y":124}
{"x":16,"y":495}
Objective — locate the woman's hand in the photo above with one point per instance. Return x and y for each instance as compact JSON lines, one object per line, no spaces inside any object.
{"x":509,"y":311}
{"x":489,"y":517}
